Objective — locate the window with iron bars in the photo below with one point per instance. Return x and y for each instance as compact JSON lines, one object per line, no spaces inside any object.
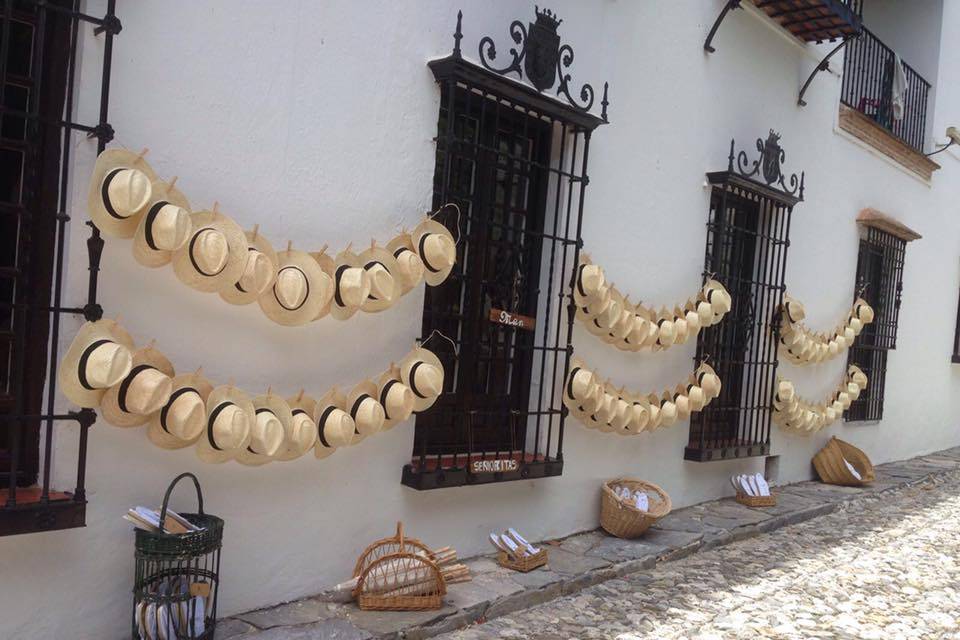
{"x":38,"y":59}
{"x":748,"y":231}
{"x":880,"y":281}
{"x":514,"y":163}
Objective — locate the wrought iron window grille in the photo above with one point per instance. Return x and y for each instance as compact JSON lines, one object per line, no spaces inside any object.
{"x":748,"y":234}
{"x":955,"y":356}
{"x":514,"y":160}
{"x":37,"y":106}
{"x":880,"y":282}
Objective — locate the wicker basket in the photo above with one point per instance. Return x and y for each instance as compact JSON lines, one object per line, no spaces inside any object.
{"x":756,"y":501}
{"x":524,"y":563}
{"x":624,"y":520}
{"x":398,"y":574}
{"x":830,"y":466}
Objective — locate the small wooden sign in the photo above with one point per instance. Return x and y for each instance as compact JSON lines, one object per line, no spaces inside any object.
{"x":499,"y":316}
{"x":498,"y":465}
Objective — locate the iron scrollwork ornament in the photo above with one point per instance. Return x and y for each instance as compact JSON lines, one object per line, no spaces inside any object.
{"x":539,"y":54}
{"x":768,"y":165}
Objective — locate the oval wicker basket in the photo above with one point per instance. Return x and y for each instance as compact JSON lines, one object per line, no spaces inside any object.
{"x":401,"y":581}
{"x":830,"y":466}
{"x":398,"y":543}
{"x":623,"y":520}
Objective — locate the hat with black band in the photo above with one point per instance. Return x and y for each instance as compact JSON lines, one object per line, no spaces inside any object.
{"x":230,"y":418}
{"x":100,"y":356}
{"x":164,"y":228}
{"x":182,"y":419}
{"x":259,"y":271}
{"x":437,"y":249}
{"x":409,"y":265}
{"x":335,"y":427}
{"x":300,"y":291}
{"x":272,"y":417}
{"x":214,"y":257}
{"x":142,"y":392}
{"x":120,"y":191}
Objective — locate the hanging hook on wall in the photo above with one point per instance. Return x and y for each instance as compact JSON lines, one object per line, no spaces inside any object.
{"x":440,"y":210}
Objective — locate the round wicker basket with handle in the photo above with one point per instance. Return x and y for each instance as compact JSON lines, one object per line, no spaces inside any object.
{"x":830,"y":466}
{"x":624,"y":520}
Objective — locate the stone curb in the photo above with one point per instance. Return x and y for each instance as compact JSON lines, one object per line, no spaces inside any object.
{"x":345,"y":622}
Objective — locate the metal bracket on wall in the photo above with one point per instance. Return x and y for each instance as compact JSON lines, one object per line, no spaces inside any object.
{"x":731,"y":4}
{"x":823,"y":66}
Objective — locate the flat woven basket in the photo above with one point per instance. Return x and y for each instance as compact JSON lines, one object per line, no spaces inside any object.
{"x":756,"y":501}
{"x":624,"y":520}
{"x":829,"y":463}
{"x":525,"y":563}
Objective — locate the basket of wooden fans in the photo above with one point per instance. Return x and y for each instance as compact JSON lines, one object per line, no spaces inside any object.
{"x":403,"y":574}
{"x":514,"y":552}
{"x":753,"y":490}
{"x":629,"y":507}
{"x":842,"y":463}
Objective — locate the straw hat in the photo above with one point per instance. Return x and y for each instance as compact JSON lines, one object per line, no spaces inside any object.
{"x":300,"y":290}
{"x":693,"y":318}
{"x":99,"y":357}
{"x":844,"y":398}
{"x":351,"y":285}
{"x":436,"y":247}
{"x":164,"y":228}
{"x":708,"y":380}
{"x":853,"y":390}
{"x":214,"y":257}
{"x":653,"y":407}
{"x":666,"y":332}
{"x":589,"y":282}
{"x":682,"y":400}
{"x":716,"y":294}
{"x":855,"y":325}
{"x":259,"y":271}
{"x":409,"y":265}
{"x":705,"y":311}
{"x":301,"y":435}
{"x":422,"y":371}
{"x":857,"y":375}
{"x":580,"y":381}
{"x":143,"y":391}
{"x":230,"y":420}
{"x":600,"y":419}
{"x":395,"y":397}
{"x":267,"y":433}
{"x":680,"y":329}
{"x":669,"y":412}
{"x":623,"y":412}
{"x":367,"y":412}
{"x":698,"y":399}
{"x":384,"y":273}
{"x":639,"y":331}
{"x":641,"y":415}
{"x":181,"y":420}
{"x":793,"y":310}
{"x":863,"y":311}
{"x":335,"y":427}
{"x":120,"y":190}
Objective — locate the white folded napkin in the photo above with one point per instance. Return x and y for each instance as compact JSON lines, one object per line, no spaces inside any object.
{"x":853,"y":470}
{"x":762,"y":484}
{"x":745,"y":485}
{"x":520,"y":540}
{"x":642,"y":501}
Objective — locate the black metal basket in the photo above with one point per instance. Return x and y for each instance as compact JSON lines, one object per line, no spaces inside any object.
{"x":177,"y":576}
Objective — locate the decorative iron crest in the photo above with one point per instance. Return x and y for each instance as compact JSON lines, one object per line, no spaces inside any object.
{"x":767,"y":166}
{"x":539,"y":54}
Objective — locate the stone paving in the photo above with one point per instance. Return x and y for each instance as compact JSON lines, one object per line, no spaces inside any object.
{"x":881,"y":562}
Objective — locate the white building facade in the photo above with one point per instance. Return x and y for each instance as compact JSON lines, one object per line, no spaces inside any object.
{"x":324,"y":124}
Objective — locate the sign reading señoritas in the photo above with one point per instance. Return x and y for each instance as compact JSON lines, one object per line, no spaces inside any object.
{"x":494,"y":466}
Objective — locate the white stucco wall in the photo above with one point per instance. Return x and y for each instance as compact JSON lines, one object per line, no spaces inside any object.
{"x":315,"y":120}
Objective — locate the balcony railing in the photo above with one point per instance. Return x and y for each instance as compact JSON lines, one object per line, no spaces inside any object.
{"x":868,"y":82}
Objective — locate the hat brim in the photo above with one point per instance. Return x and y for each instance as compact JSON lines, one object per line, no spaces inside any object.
{"x":431,"y":276}
{"x":142,"y":252}
{"x":384,"y":257}
{"x":110,"y":403}
{"x":226,"y":393}
{"x":184,"y":267}
{"x":163,"y":438}
{"x":421,"y":404}
{"x":332,"y":398}
{"x":108,"y":161}
{"x":317,"y":294}
{"x":236,"y":295}
{"x":362,"y":388}
{"x":391,"y":421}
{"x":68,"y":372}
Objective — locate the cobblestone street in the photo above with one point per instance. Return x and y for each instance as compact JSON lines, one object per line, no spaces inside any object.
{"x":883,"y":566}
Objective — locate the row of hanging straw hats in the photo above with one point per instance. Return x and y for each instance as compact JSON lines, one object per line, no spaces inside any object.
{"x":135,"y":387}
{"x":798,"y":415}
{"x":608,"y":314}
{"x":599,"y":405}
{"x":212,"y":253}
{"x":801,"y":346}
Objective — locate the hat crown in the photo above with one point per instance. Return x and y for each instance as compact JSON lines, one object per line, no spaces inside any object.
{"x":582,"y":381}
{"x":107,"y":365}
{"x":410,"y":265}
{"x":369,"y":416}
{"x":129,"y":191}
{"x":338,"y":428}
{"x":591,"y":279}
{"x":211,"y":251}
{"x":257,"y":272}
{"x":266,"y":436}
{"x":170,"y":228}
{"x":148,"y":391}
{"x":354,"y":286}
{"x":302,"y":430}
{"x":439,"y":250}
{"x":291,"y":287}
{"x":399,"y":400}
{"x":231,"y":427}
{"x":185,"y":416}
{"x":381,"y":282}
{"x":427,"y":379}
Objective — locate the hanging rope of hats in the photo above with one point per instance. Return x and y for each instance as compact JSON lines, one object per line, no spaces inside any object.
{"x":797,"y":415}
{"x":139,"y":386}
{"x":801,"y":346}
{"x":600,"y":405}
{"x":608,"y":314}
{"x":211,"y":253}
